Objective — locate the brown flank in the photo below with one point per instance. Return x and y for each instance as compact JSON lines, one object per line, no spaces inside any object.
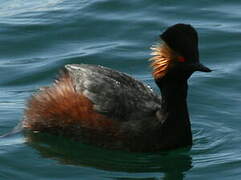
{"x":60,"y":108}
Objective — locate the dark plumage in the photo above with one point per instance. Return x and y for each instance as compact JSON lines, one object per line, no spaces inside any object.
{"x":101,"y":106}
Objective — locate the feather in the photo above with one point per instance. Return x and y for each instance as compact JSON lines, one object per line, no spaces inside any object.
{"x":161,"y":60}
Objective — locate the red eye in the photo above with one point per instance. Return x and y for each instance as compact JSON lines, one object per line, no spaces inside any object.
{"x":181,"y":59}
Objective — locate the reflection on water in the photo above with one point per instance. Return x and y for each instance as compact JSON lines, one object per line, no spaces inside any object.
{"x":173,"y":164}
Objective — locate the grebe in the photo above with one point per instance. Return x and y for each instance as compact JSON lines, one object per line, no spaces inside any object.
{"x":104,"y":107}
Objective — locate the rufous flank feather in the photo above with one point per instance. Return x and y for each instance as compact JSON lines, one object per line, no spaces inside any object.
{"x":60,"y":107}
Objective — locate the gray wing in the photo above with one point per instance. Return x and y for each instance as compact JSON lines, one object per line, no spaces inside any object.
{"x":113,"y":93}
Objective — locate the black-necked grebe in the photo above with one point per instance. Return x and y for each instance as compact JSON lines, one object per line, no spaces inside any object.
{"x":101,"y":106}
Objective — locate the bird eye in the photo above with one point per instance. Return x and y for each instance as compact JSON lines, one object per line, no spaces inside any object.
{"x":181,"y":59}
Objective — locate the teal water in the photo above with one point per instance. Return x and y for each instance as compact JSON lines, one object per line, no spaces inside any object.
{"x":37,"y":38}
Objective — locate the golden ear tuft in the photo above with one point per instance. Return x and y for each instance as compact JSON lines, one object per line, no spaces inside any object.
{"x":161,"y":60}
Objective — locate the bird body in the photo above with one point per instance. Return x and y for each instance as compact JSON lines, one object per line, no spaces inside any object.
{"x":101,"y":106}
{"x":101,"y":102}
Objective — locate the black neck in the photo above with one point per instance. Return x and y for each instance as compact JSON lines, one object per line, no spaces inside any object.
{"x":176,"y":128}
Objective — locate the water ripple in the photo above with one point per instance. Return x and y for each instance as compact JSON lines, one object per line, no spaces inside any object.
{"x":39,"y":37}
{"x":214,"y":145}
